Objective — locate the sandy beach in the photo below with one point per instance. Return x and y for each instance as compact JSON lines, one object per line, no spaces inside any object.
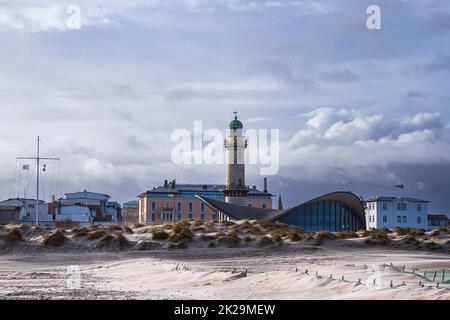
{"x":329,"y":269}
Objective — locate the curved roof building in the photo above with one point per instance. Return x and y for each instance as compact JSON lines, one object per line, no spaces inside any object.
{"x":337,"y":211}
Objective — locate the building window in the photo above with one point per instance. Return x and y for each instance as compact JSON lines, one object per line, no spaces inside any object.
{"x":263,"y":205}
{"x":202,"y":208}
{"x":384,"y":206}
{"x":153,"y":216}
{"x":419,"y":207}
{"x":401,"y":206}
{"x":179,"y":206}
{"x":399,"y":219}
{"x":190,"y":207}
{"x":31,"y":206}
{"x":179,"y":216}
{"x":153,"y":206}
{"x":419,"y":220}
{"x":214,"y":216}
{"x":202,"y":216}
{"x":249,"y":204}
{"x":405,"y":219}
{"x":191,"y":216}
{"x":384,"y":219}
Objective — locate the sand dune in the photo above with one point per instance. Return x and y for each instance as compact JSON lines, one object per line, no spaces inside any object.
{"x":249,"y":260}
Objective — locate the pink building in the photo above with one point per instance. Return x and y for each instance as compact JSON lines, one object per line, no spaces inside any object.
{"x":175,"y":202}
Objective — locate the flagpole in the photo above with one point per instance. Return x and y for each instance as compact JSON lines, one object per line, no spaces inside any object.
{"x":37,"y":183}
{"x":37,"y":158}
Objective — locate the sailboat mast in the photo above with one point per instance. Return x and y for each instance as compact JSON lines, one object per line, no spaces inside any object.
{"x":37,"y":182}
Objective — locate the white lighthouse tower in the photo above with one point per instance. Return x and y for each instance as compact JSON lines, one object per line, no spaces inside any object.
{"x":235,"y":145}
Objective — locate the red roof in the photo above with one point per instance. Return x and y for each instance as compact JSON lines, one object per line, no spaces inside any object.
{"x":439,"y":217}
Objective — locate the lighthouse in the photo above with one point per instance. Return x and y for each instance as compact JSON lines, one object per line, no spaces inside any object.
{"x":235,"y":145}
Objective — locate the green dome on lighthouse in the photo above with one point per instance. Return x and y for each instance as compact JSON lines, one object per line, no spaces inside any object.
{"x":236,"y":124}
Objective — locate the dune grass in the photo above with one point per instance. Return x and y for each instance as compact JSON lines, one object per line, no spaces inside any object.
{"x":95,"y":234}
{"x":231,"y":239}
{"x":137,"y":226}
{"x":177,"y":245}
{"x":54,"y":239}
{"x":408,"y":231}
{"x":114,"y":227}
{"x":346,"y":235}
{"x":265,"y":241}
{"x":12,"y":236}
{"x":159,"y":235}
{"x":127,"y":229}
{"x":105,"y":241}
{"x":439,"y":231}
{"x":67,"y":224}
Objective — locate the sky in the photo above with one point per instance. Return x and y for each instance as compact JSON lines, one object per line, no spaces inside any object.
{"x":358,"y":110}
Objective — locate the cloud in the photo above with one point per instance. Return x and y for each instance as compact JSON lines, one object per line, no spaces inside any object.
{"x":340,"y":76}
{"x":180,"y":94}
{"x":335,"y":141}
{"x":48,"y":15}
{"x":440,"y":63}
{"x":416,"y":95}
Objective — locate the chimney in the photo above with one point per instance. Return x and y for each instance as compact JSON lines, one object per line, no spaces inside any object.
{"x":165,"y":183}
{"x":265,"y":185}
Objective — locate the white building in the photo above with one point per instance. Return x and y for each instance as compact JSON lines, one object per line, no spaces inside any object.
{"x":390,"y":212}
{"x":28,"y":212}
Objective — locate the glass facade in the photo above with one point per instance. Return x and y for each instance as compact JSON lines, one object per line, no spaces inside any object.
{"x":324,"y":215}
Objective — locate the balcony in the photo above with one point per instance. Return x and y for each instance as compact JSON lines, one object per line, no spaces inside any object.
{"x":167,"y":210}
